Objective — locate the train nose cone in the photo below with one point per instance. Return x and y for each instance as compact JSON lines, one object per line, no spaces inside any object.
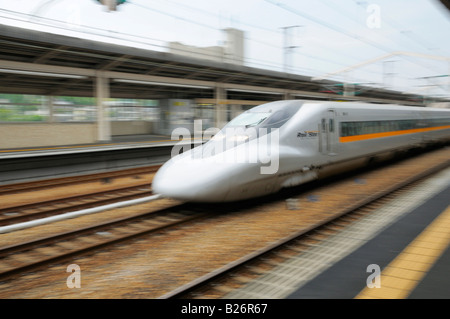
{"x":196,"y":181}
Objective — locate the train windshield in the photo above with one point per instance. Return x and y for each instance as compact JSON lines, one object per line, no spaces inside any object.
{"x":249,"y":119}
{"x":251,"y":124}
{"x":272,"y":119}
{"x":278,"y":118}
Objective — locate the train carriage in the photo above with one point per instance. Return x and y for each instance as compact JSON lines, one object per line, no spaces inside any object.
{"x":287,"y":143}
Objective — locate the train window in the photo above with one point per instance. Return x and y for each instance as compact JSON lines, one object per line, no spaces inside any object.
{"x":370,"y":127}
{"x":367,"y":127}
{"x":324,"y":125}
{"x":343,"y":131}
{"x":407,"y":124}
{"x":331,"y":123}
{"x":438,"y":122}
{"x":347,"y":129}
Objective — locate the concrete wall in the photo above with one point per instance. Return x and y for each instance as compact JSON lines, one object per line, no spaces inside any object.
{"x":442,"y":105}
{"x":231,"y":52}
{"x":207,"y":53}
{"x":234,"y":46}
{"x":46,"y":134}
{"x":175,"y":113}
{"x":131,"y":127}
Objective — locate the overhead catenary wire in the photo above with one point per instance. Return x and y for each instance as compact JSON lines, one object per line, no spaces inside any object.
{"x":272,"y":45}
{"x":395,"y":26}
{"x":160,"y":44}
{"x":338,"y":29}
{"x":271,"y":64}
{"x":144,"y":39}
{"x":216,"y":29}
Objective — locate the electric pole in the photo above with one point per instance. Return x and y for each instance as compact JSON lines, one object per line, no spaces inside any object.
{"x":288,"y":47}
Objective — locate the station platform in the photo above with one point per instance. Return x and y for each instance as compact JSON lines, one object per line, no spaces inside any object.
{"x":400,"y":251}
{"x":122,"y":152}
{"x":116,"y":143}
{"x":404,"y":273}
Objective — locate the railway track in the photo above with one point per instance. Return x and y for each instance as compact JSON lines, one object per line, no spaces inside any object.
{"x":223,"y":282}
{"x":28,"y":201}
{"x":23,"y":213}
{"x":176,"y":259}
{"x":17,"y":258}
{"x":103,"y":178}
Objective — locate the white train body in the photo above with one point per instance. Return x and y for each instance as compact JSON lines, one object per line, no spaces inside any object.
{"x":305,"y":141}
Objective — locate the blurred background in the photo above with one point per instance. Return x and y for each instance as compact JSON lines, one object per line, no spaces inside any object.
{"x":223,"y":57}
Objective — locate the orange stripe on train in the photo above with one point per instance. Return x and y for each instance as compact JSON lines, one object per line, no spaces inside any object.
{"x":354,"y":138}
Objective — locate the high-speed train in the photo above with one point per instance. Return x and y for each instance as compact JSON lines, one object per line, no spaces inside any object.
{"x":287,"y":143}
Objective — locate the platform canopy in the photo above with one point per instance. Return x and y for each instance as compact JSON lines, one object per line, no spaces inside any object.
{"x":33,"y":62}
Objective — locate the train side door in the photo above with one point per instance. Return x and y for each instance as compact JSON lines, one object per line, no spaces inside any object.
{"x":328,"y":132}
{"x":423,"y":123}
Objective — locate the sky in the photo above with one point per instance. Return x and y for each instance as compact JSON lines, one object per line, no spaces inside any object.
{"x":329,"y":38}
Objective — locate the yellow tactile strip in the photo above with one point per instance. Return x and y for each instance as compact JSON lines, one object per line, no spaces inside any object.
{"x":403,"y":274}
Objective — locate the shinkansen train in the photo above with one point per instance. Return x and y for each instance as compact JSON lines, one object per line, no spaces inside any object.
{"x":287,"y":143}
